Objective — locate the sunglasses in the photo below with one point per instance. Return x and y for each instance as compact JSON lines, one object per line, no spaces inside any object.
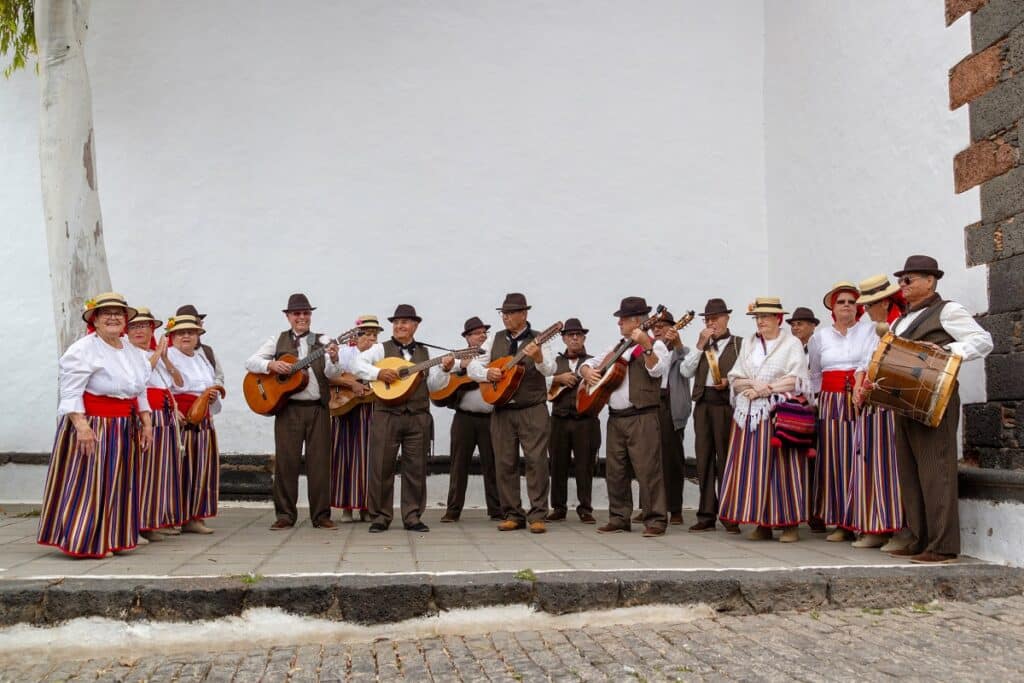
{"x":846,"y":302}
{"x":907,"y":279}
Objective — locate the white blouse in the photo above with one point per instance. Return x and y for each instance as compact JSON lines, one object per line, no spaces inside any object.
{"x":94,"y":366}
{"x":196,"y":373}
{"x":830,"y":350}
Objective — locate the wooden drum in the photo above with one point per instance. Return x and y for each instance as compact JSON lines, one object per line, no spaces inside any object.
{"x":912,"y":379}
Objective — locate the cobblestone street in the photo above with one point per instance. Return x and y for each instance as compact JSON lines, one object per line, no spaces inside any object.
{"x":940,"y":641}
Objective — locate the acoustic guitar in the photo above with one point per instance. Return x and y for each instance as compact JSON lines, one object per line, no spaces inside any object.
{"x":455,"y":383}
{"x":266,"y":393}
{"x":410,"y":375}
{"x":512,"y":368}
{"x":343,"y":399}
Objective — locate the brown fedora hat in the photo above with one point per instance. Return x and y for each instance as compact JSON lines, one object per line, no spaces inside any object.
{"x":573,"y":325}
{"x":803,"y":314}
{"x":298,"y":302}
{"x":514,"y":301}
{"x":715,"y":307}
{"x":474,"y":323}
{"x":405,"y":311}
{"x":632,"y":305}
{"x":189,"y":309}
{"x":919,"y":263}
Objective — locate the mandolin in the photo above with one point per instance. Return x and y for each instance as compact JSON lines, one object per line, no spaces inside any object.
{"x":343,"y":399}
{"x":266,"y":393}
{"x":455,"y":383}
{"x":410,"y":375}
{"x":512,"y":368}
{"x":201,"y":406}
{"x":591,"y":399}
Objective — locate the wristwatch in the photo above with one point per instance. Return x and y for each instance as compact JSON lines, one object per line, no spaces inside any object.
{"x":649,"y":352}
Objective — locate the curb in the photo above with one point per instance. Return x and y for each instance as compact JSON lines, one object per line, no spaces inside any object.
{"x":378,"y":599}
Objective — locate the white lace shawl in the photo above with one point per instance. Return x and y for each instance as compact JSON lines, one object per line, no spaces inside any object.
{"x":786,"y":359}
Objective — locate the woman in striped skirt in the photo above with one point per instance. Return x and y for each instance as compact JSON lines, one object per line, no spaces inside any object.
{"x":350,"y":435}
{"x":875,"y":509}
{"x":763,"y":484}
{"x":200,"y":471}
{"x":833,"y":354}
{"x":91,"y":500}
{"x":160,"y":494}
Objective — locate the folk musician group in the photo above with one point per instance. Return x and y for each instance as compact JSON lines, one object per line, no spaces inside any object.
{"x":848,"y":427}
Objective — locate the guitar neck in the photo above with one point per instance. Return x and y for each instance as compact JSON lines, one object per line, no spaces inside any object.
{"x":626,"y":342}
{"x":471,"y":352}
{"x":317,"y":354}
{"x":538,"y":340}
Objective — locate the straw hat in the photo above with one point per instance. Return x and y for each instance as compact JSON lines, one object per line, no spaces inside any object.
{"x":179,"y":323}
{"x":143,"y":315}
{"x":837,"y":287}
{"x":106,"y":300}
{"x":876,"y":288}
{"x":368,"y":321}
{"x":766,"y":304}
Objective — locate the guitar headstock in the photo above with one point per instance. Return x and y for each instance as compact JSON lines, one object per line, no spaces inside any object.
{"x":684,"y":321}
{"x":347,"y":335}
{"x":659,"y":314}
{"x":548,"y":333}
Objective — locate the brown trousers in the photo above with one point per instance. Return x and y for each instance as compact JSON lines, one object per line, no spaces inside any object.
{"x":529,"y":428}
{"x":712,"y":425}
{"x":294,"y":426}
{"x":390,"y":431}
{"x":573,"y":444}
{"x":634,"y":448}
{"x":926,"y":458}
{"x":672,"y":458}
{"x":471,"y":431}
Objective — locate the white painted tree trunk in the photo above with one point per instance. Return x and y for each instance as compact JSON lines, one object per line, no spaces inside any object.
{"x":67,"y":163}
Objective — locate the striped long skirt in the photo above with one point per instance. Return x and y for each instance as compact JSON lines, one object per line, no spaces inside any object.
{"x":837,"y":426}
{"x":200,"y":471}
{"x":350,"y":458}
{"x":875,"y":505}
{"x":762,"y":484}
{"x":161,"y":496}
{"x":91,"y":502}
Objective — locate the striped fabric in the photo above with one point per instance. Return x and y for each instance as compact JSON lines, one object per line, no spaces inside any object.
{"x":200,"y":471}
{"x":350,"y":453}
{"x":875,"y":505}
{"x":91,"y":503}
{"x":837,"y":425}
{"x":161,"y":498}
{"x":762,"y":484}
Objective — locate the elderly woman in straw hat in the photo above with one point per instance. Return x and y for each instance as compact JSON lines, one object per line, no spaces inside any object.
{"x":160,"y":492}
{"x":763,"y":483}
{"x":350,"y":433}
{"x":875,"y":508}
{"x":833,"y":355}
{"x":90,"y":504}
{"x":200,"y":469}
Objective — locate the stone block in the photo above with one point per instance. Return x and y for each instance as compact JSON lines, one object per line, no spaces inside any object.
{"x":969,"y":583}
{"x":975,"y":75}
{"x":1004,"y":376}
{"x":21,"y":601}
{"x":988,"y":242}
{"x":998,"y":109}
{"x":1013,"y":57}
{"x":780,"y":591}
{"x":305,"y":595}
{"x":993,"y":20}
{"x":383,"y":599}
{"x":467,"y":591}
{"x":983,"y":161}
{"x":992,"y":458}
{"x":957,"y":8}
{"x":983,"y":424}
{"x":1006,"y":285}
{"x":878,"y":588}
{"x":720,"y":592}
{"x":564,"y":592}
{"x":1007,"y":330}
{"x":190,"y":599}
{"x":73,"y":598}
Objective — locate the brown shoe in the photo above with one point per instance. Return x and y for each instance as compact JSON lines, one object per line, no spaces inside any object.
{"x":731,"y":528}
{"x":760,"y":533}
{"x":449,"y":518}
{"x":704,"y":525}
{"x":510,"y":525}
{"x":610,"y":528}
{"x":904,"y":552}
{"x":326,"y":524}
{"x":639,"y":516}
{"x":650,"y":531}
{"x":555,"y":516}
{"x":281,"y":524}
{"x":537,"y":527}
{"x":676,"y":518}
{"x":933,"y":558}
{"x":587,"y":518}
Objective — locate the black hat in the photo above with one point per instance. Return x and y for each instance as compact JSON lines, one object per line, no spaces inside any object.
{"x":715,"y":307}
{"x":405,"y":311}
{"x":473,"y":323}
{"x":667,"y":317}
{"x":803,"y":314}
{"x":514,"y":301}
{"x":632,"y":305}
{"x":573,"y":325}
{"x":920,"y":263}
{"x":189,"y":309}
{"x":298,"y":302}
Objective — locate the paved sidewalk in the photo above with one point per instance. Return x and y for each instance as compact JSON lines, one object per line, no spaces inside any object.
{"x":940,"y":641}
{"x":243,"y":543}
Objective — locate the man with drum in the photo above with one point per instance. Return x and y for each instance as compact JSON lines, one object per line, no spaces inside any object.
{"x":927,"y":455}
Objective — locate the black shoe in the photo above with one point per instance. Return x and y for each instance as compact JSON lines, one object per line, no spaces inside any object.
{"x":377,"y":528}
{"x":418,"y":526}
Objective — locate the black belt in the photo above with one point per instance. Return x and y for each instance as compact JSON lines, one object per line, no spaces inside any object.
{"x":472,"y":413}
{"x":632,"y":412}
{"x":516,"y":406}
{"x":305,"y":402}
{"x":572,"y":416}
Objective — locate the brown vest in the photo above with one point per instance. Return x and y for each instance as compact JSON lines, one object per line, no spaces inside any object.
{"x":419,"y":400}
{"x":927,"y":327}
{"x":286,"y":347}
{"x":533,"y":389}
{"x":565,"y":404}
{"x":644,"y":390}
{"x":726,"y":359}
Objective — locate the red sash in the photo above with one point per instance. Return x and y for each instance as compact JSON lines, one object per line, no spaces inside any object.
{"x":185,"y":402}
{"x":837,"y":381}
{"x":108,"y":406}
{"x":158,"y":398}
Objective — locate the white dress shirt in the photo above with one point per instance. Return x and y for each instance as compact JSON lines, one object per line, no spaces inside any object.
{"x":92,"y":365}
{"x":365,"y":370}
{"x":972,"y":340}
{"x":619,"y":400}
{"x":472,"y":400}
{"x":196,"y":373}
{"x":259,"y":362}
{"x":477,"y":369}
{"x":829,"y":349}
{"x":688,"y":368}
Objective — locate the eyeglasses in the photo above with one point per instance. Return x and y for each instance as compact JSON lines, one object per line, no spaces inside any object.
{"x":573,"y":334}
{"x":110,"y":313}
{"x":301,"y":314}
{"x":138,"y":326}
{"x":846,"y":302}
